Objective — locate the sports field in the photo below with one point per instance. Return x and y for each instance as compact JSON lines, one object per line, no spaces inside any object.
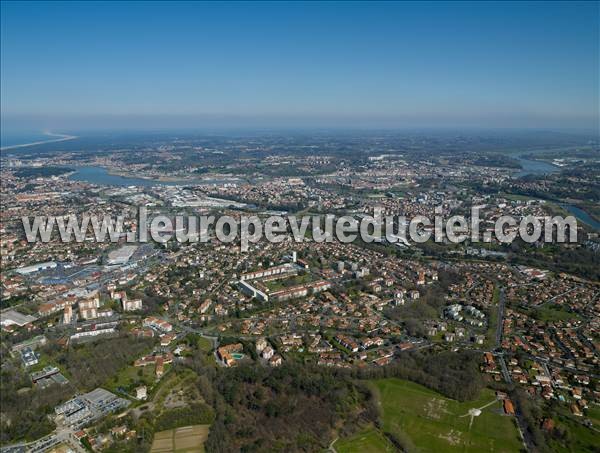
{"x":187,"y":439}
{"x":433,"y":423}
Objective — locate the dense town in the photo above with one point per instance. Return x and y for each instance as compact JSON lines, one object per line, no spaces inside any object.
{"x":142,"y":318}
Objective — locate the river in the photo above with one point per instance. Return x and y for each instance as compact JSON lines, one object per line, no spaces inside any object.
{"x":582,"y":216}
{"x":535,"y":167}
{"x":101,"y":176}
{"x":538,"y":167}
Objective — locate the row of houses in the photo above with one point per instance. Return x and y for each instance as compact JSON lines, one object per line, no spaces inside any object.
{"x":158,"y":324}
{"x":356,"y":345}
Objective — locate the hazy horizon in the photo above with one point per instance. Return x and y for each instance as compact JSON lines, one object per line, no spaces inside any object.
{"x":119,"y":123}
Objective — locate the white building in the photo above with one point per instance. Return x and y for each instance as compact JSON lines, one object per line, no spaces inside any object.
{"x":261,"y":344}
{"x":122,"y":255}
{"x":132,"y":304}
{"x":36,"y":268}
{"x":141,"y":393}
{"x":68,"y":315}
{"x":12,"y":317}
{"x":267,"y":353}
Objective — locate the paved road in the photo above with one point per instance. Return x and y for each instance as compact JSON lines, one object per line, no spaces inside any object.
{"x":60,"y":435}
{"x":213,"y":339}
{"x":504,"y":369}
{"x":522,"y":425}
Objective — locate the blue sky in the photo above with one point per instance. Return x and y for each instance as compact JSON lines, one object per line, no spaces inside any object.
{"x":71,"y":65}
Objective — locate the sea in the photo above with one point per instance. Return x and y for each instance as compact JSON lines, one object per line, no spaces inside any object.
{"x":20,"y":138}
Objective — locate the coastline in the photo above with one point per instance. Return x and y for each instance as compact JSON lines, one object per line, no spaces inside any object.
{"x":62,"y":138}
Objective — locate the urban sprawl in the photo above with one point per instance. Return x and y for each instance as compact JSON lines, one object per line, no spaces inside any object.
{"x":106,"y":344}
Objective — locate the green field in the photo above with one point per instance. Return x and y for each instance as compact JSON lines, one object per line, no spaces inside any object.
{"x":429,"y":422}
{"x":490,"y":334}
{"x":204,"y":344}
{"x":367,"y":441}
{"x":593,"y":413}
{"x":579,"y":438}
{"x":187,"y":439}
{"x":553,"y":313}
{"x":288,"y":281}
{"x":131,"y":377}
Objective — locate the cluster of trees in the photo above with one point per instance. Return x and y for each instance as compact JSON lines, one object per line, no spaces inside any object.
{"x":429,"y":307}
{"x":453,"y":374}
{"x":296,"y":407}
{"x":494,"y":160}
{"x":24,"y":409}
{"x":93,"y":364}
{"x":147,"y":421}
{"x":41,"y":172}
{"x":578,"y":261}
{"x":560,"y":189}
{"x":290,"y":408}
{"x":531,"y":413}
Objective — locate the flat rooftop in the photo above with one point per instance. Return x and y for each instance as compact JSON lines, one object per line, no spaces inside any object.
{"x":122,"y":254}
{"x":14,"y":317}
{"x":99,"y":396}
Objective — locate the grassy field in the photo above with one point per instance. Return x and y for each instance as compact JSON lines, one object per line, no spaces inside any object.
{"x":204,"y":344}
{"x":490,"y":334}
{"x":433,"y":423}
{"x":593,"y":413}
{"x":288,"y":282}
{"x":130,"y":377}
{"x":553,"y":313}
{"x":187,"y":439}
{"x":580,"y":438}
{"x":367,"y":441}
